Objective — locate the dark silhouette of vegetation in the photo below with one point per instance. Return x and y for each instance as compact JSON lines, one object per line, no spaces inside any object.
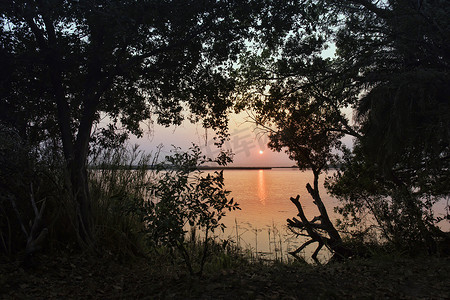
{"x":68,"y":184}
{"x":304,"y":133}
{"x":183,"y":196}
{"x":402,"y":62}
{"x":68,"y":64}
{"x":146,"y":207}
{"x":391,"y":67}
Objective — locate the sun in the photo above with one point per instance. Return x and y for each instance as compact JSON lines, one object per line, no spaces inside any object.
{"x":261,"y":152}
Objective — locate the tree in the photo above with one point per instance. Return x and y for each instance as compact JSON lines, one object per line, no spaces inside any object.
{"x":69,"y":63}
{"x":305,"y":133}
{"x":297,"y":99}
{"x":391,"y":66}
{"x":400,"y":49}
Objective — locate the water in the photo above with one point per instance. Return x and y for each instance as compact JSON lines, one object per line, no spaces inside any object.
{"x":263,"y":196}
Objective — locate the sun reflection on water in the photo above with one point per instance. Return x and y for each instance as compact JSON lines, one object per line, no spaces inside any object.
{"x":262,"y":189}
{"x":263,"y":196}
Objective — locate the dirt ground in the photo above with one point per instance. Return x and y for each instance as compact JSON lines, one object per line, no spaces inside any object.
{"x":78,"y":277}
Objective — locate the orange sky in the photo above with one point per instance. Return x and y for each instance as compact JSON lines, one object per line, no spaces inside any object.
{"x":245,"y":142}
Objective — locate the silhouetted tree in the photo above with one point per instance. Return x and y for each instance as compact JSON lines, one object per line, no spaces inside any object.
{"x":391,"y":66}
{"x":306,"y":135}
{"x":66,"y":64}
{"x":401,"y":52}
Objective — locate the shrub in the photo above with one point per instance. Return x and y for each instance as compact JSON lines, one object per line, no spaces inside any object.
{"x":183,"y":196}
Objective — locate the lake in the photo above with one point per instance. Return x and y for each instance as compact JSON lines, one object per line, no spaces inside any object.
{"x":263,"y":196}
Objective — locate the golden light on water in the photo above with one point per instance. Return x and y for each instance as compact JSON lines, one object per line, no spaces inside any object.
{"x":261,"y":188}
{"x":263,"y":196}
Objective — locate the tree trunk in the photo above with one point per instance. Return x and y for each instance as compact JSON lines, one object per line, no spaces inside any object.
{"x":334,"y":234}
{"x":80,"y":193}
{"x":309,"y":227}
{"x":75,"y":155}
{"x":75,"y":149}
{"x":78,"y":171}
{"x":334,"y":241}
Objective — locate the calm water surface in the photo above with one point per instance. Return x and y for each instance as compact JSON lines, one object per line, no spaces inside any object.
{"x":263,"y":196}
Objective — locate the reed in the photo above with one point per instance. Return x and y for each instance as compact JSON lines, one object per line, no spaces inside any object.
{"x":118,"y":183}
{"x":273,"y":248}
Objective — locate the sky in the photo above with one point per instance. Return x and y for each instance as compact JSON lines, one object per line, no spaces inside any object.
{"x":247,"y":143}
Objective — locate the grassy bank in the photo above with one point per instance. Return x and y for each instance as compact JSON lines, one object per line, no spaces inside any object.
{"x":83,"y":277}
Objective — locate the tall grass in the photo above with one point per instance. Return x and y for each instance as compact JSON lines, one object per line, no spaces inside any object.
{"x":269,"y":244}
{"x":126,"y":190}
{"x":119,"y":181}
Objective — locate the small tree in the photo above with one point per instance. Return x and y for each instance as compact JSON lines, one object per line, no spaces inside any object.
{"x":311,"y":147}
{"x":183,"y":196}
{"x":299,"y":103}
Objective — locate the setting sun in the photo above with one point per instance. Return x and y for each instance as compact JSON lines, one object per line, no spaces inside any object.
{"x":261,"y":152}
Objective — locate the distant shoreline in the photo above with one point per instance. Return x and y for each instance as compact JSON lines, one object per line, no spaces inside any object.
{"x":233,"y":168}
{"x":205,"y":168}
{"x":243,"y":168}
{"x":202,"y":168}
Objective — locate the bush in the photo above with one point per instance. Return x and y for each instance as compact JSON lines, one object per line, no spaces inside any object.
{"x":183,"y":196}
{"x":399,"y":214}
{"x":29,"y":177}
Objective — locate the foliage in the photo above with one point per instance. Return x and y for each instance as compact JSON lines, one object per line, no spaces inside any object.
{"x":391,"y":67}
{"x":133,"y":58}
{"x":298,"y":102}
{"x":296,"y":94}
{"x":183,"y":196}
{"x":125,"y":60}
{"x":372,"y":204}
{"x":403,"y":63}
{"x":402,"y":155}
